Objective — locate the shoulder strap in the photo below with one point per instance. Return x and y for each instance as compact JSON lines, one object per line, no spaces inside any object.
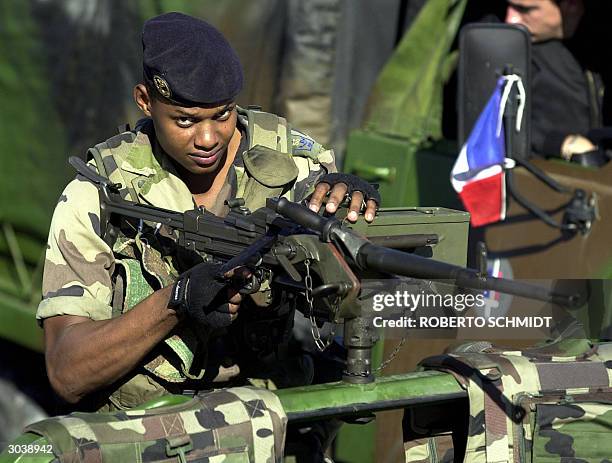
{"x":102,"y":154}
{"x":95,"y":154}
{"x":269,"y":130}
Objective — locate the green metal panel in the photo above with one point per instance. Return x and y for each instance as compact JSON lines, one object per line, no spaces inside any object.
{"x":408,"y":174}
{"x":164,"y":401}
{"x":451,"y":226}
{"x":386,"y":393}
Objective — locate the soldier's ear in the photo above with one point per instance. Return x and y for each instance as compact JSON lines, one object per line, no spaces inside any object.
{"x":143,"y":99}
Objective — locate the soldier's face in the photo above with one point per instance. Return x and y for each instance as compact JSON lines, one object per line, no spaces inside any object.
{"x":541,"y":17}
{"x":196,"y":138}
{"x":545,"y":19}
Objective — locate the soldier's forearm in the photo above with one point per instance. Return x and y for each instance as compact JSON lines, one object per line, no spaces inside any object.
{"x":84,"y":355}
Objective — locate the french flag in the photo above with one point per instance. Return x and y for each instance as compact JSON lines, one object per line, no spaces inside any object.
{"x":478,"y":174}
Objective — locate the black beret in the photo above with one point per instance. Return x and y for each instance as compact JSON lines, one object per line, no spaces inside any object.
{"x":189,"y":62}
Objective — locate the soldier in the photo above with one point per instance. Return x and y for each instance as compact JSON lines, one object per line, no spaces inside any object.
{"x":126,"y":322}
{"x":567,"y":80}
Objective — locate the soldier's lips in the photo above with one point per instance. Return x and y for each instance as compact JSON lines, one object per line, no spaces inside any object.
{"x":205,"y":161}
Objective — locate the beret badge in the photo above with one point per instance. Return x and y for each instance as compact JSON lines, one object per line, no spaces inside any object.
{"x":162,"y":86}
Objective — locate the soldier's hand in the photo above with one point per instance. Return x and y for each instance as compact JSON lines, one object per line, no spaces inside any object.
{"x":237,"y":276}
{"x":233,"y":303}
{"x":337,"y":187}
{"x":204,"y":296}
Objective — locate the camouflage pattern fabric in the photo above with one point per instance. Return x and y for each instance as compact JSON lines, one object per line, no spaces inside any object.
{"x":232,"y":425}
{"x":425,"y":450}
{"x":538,"y":405}
{"x":80,"y":266}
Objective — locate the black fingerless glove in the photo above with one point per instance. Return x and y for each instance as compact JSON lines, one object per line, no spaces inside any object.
{"x":353,"y":183}
{"x":201,"y":295}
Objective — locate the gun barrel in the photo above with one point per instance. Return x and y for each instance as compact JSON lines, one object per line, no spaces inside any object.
{"x":401,"y":263}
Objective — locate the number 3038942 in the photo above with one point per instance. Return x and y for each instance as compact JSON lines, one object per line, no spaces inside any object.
{"x":29,"y":448}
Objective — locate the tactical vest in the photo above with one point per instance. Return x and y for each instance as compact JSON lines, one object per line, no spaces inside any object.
{"x":546,"y":404}
{"x":270,"y":169}
{"x":238,"y":424}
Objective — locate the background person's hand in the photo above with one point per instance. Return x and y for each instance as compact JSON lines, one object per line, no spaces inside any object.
{"x":575,"y":144}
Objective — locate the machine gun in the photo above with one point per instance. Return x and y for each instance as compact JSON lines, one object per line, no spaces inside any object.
{"x":285,"y":240}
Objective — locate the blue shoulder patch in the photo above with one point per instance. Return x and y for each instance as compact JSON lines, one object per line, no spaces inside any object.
{"x":303,"y":144}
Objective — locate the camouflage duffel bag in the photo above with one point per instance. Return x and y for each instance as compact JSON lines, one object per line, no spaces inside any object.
{"x":241,"y":424}
{"x":546,"y":404}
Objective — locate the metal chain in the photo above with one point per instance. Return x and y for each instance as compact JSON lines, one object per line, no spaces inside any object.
{"x":314,"y":329}
{"x":392,"y":355}
{"x":398,"y":347}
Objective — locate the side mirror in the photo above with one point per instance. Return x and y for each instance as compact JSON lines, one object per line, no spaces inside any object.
{"x":487,"y":51}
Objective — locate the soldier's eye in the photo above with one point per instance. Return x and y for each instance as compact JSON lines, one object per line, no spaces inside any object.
{"x":521,"y":9}
{"x":225,"y":114}
{"x":184,"y":122}
{"x":524,"y":9}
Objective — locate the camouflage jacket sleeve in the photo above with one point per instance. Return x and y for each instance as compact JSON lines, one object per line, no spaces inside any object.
{"x":78,"y":263}
{"x":313,"y":161}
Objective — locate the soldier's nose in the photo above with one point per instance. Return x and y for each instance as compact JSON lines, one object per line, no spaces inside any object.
{"x":206,"y":139}
{"x":512,"y":16}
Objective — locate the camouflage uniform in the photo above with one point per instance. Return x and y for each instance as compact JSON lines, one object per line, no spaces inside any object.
{"x":84,"y":276}
{"x":552,"y":403}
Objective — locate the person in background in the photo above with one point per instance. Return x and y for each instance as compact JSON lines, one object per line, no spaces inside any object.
{"x":567,"y":93}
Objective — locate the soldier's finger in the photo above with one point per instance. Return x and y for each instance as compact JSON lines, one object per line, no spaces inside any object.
{"x":233,"y":309}
{"x":371,"y":208}
{"x":238,"y":273}
{"x":234,"y":297}
{"x":355,"y":206}
{"x":316,"y":199}
{"x":336,"y":196}
{"x":225,"y":309}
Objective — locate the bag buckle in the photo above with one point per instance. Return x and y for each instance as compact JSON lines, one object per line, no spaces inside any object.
{"x":179,"y":446}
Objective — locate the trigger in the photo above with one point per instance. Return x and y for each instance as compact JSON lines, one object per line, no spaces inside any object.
{"x":251,"y":285}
